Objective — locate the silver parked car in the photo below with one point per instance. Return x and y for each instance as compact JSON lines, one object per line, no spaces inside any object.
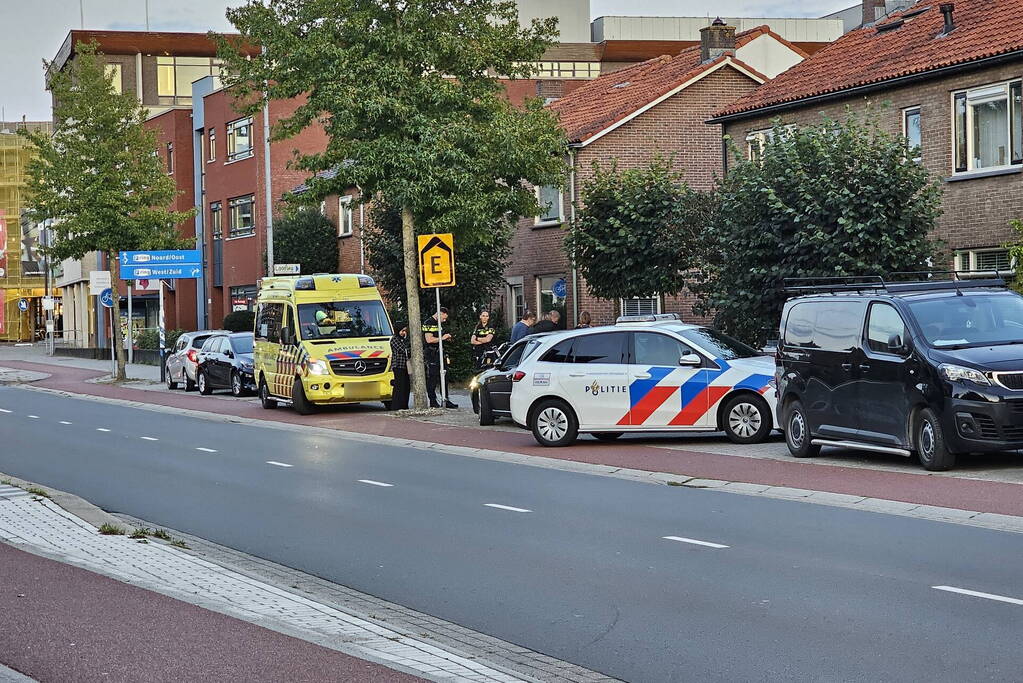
{"x":183,"y":358}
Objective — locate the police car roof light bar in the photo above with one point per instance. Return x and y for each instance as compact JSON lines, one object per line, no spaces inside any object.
{"x":648,"y":318}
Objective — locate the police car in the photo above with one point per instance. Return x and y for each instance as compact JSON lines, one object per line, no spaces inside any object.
{"x":644,"y":374}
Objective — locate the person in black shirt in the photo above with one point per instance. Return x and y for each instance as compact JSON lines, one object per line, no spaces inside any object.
{"x":482,"y":339}
{"x":584,"y":321}
{"x":400,"y":353}
{"x":548,"y":324}
{"x":431,"y":345}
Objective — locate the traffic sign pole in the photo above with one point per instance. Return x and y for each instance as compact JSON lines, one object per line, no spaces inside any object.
{"x":440,"y":350}
{"x":130,"y":336}
{"x":163,"y":366}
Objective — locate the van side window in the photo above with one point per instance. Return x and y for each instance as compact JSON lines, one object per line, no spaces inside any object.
{"x":661,"y":350}
{"x":884,"y":322}
{"x":558,"y":353}
{"x":269,"y":318}
{"x":600,"y":348}
{"x":825,"y":325}
{"x":799,"y":326}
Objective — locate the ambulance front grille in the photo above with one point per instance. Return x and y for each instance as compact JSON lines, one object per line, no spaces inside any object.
{"x":358,"y":366}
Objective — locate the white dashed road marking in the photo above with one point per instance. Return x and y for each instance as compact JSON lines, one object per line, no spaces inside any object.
{"x":680,"y":539}
{"x":505,"y":507}
{"x":64,"y":422}
{"x":102,"y":429}
{"x":374,"y":483}
{"x":33,"y":417}
{"x":978,"y":594}
{"x":4,"y":410}
{"x":206,"y":450}
{"x":149,"y":438}
{"x":278,"y":464}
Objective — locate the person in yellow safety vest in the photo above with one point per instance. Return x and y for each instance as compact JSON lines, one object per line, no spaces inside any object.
{"x":482,"y":339}
{"x":431,"y":345}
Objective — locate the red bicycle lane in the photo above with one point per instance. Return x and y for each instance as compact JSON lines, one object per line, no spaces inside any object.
{"x":922,"y":489}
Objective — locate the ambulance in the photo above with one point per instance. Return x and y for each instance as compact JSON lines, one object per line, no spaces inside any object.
{"x":320,"y":340}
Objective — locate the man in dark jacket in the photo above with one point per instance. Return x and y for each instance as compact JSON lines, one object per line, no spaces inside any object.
{"x":400,"y":353}
{"x":548,"y":324}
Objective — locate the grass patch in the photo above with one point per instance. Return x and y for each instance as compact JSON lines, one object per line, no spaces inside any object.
{"x":36,"y":491}
{"x":179,"y":544}
{"x":160,"y":534}
{"x":140,"y":533}
{"x":111,"y":530}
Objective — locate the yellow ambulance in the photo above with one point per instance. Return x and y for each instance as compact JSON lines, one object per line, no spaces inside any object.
{"x":321,"y":339}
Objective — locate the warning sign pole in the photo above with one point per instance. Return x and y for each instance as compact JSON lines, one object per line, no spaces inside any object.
{"x":436,"y":270}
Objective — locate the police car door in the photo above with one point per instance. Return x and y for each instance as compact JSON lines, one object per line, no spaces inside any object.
{"x":662,"y":391}
{"x":596,"y":378}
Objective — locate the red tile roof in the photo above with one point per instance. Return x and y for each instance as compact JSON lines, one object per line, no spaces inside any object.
{"x":983,"y":28}
{"x":613,"y":97}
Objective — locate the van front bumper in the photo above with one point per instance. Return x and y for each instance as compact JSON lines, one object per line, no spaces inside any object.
{"x":333,"y":389}
{"x":984,"y":425}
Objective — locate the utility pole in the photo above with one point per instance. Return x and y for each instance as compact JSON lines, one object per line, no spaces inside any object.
{"x":268,"y":193}
{"x":147,"y":16}
{"x":81,"y":14}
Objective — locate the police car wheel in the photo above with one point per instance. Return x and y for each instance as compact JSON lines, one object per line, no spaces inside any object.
{"x":746,"y":419}
{"x":264,"y":396}
{"x":554,"y":424}
{"x":486,"y":413}
{"x":298,"y":399}
{"x":204,"y":385}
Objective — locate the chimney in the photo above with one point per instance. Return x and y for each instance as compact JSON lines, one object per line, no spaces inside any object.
{"x":946,"y":11}
{"x":716,"y":40}
{"x":872,"y":11}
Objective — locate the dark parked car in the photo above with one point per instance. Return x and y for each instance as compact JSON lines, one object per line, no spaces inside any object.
{"x":225,"y":362}
{"x":183,"y":358}
{"x":491,"y":389}
{"x":933,"y":368}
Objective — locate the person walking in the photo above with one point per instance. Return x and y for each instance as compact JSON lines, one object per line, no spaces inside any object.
{"x":431,"y":328}
{"x":549,"y":323}
{"x":522,"y":328}
{"x":482,"y":339}
{"x":584,"y":321}
{"x":400,"y":352}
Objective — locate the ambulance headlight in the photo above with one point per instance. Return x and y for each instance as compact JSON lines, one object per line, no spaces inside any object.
{"x":317,"y":367}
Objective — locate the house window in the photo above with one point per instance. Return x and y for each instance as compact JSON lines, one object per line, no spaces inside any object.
{"x":239,"y":139}
{"x":244,"y":298}
{"x":911,"y":130}
{"x":216,"y":221}
{"x":551,"y":207}
{"x":170,"y":157}
{"x":755,"y":141}
{"x":551,"y":292}
{"x":113,"y":73}
{"x":175,"y":75}
{"x":641,"y":306}
{"x":565,"y":69}
{"x":241,"y":218}
{"x":212,"y":145}
{"x":988,"y":127}
{"x":517,"y":301}
{"x":984,"y":261}
{"x":344,"y":216}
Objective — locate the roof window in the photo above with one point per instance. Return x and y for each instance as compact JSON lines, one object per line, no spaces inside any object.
{"x":623,"y":84}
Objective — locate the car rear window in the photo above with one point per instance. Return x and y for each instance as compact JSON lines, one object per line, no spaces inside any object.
{"x":197,"y":342}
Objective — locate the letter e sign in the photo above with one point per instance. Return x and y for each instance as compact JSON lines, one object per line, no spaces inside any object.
{"x":436,"y":260}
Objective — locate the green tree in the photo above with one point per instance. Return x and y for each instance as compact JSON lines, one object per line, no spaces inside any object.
{"x":837,"y":198}
{"x":100,"y":175}
{"x":306,"y":237}
{"x":637,"y":232}
{"x":414,"y":113}
{"x":479,"y":273}
{"x":1015,"y":248}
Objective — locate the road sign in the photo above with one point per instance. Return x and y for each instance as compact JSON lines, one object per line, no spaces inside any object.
{"x":161,"y":265}
{"x":48,"y":303}
{"x":22,"y":305}
{"x":98,"y":281}
{"x":287,"y":269}
{"x":107,"y":298}
{"x":560,"y":288}
{"x":437,"y":260}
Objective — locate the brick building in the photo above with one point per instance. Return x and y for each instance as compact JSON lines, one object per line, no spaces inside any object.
{"x":949,"y":78}
{"x":655,"y":108}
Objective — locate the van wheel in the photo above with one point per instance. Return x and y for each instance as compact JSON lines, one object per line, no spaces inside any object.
{"x":746,"y":419}
{"x":553,"y":423}
{"x":204,"y":385}
{"x":606,"y":436}
{"x":931,"y":448}
{"x":298,"y":399}
{"x":486,"y":413}
{"x":797,"y":432}
{"x":264,"y":396}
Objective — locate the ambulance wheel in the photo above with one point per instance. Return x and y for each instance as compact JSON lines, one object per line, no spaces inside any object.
{"x":553,"y":423}
{"x":606,"y":436}
{"x":486,"y":412}
{"x":298,"y":399}
{"x":264,"y":396}
{"x":746,"y":419}
{"x":204,"y":384}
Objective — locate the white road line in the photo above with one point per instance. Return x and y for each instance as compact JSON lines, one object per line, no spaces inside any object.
{"x":64,"y":422}
{"x":102,"y":429}
{"x":978,"y":594}
{"x":693,"y":541}
{"x":33,"y":417}
{"x":149,"y":438}
{"x":206,"y":450}
{"x":374,"y":483}
{"x":278,"y":464}
{"x":4,"y":410}
{"x":505,"y":507}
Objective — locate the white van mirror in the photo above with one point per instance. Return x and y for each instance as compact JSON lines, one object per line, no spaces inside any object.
{"x":690,"y":359}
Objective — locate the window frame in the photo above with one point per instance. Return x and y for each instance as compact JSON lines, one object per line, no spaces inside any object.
{"x":217,"y":225}
{"x":232,"y":127}
{"x":170,"y":158}
{"x":633,"y":357}
{"x":211,"y":145}
{"x":540,"y":221}
{"x":962,"y":138}
{"x":169,"y":97}
{"x":234,"y":203}
{"x":906,"y":113}
{"x":345,"y":218}
{"x":866,"y":327}
{"x":656,"y":299}
{"x":114,"y":72}
{"x":970,"y":268}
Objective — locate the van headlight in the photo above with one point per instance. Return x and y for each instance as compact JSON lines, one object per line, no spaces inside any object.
{"x":317,"y":367}
{"x":958,"y":373}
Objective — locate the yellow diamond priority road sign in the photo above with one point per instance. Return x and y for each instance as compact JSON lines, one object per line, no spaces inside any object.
{"x":437,"y":260}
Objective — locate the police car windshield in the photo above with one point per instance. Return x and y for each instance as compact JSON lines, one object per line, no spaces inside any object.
{"x":972,"y":320}
{"x":720,"y":345}
{"x":343,"y":320}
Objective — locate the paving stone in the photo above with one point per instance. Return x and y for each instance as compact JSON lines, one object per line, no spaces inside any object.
{"x":741,"y":487}
{"x":787,"y":492}
{"x":1008,"y":522}
{"x":933,"y":512}
{"x":705,"y":483}
{"x":829,"y":498}
{"x":879,"y":505}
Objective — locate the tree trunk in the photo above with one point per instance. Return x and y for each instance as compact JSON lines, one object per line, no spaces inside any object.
{"x":116,"y":340}
{"x":417,"y":366}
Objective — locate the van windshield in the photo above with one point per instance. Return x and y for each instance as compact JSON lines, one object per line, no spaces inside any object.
{"x":720,"y":345}
{"x":343,"y":320}
{"x":972,"y":320}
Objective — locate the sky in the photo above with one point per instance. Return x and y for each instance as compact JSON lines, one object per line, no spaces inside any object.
{"x":34,"y":30}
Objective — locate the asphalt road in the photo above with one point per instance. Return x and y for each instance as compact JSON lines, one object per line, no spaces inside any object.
{"x":572,"y":565}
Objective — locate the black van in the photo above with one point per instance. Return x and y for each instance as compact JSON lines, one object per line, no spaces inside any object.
{"x":932,"y":367}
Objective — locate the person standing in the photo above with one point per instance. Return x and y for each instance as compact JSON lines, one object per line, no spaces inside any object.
{"x":400,"y":353}
{"x":522,"y":327}
{"x":482,"y":339}
{"x":584,"y":321}
{"x":549,"y":323}
{"x":431,"y":328}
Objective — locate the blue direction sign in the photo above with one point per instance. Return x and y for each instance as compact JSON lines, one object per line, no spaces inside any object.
{"x":22,"y":304}
{"x":161,"y":265}
{"x":107,"y":297}
{"x":560,"y":288}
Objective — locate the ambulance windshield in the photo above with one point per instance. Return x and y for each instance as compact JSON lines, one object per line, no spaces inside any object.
{"x":343,"y":320}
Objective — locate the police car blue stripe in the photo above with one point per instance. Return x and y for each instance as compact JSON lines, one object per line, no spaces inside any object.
{"x":641,"y":387}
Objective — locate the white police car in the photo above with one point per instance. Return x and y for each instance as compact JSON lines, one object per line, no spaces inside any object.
{"x":644,"y":374}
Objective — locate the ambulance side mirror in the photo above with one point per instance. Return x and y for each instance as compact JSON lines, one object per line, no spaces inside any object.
{"x":287,"y":336}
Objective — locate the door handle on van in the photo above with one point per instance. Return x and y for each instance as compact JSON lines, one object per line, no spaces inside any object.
{"x":847,"y":366}
{"x":864,"y":366}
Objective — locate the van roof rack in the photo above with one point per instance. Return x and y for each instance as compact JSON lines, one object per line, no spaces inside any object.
{"x":906,"y":281}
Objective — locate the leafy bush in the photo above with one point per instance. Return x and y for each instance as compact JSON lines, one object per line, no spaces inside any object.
{"x":240,"y":321}
{"x":837,"y":198}
{"x":149,"y":339}
{"x":308,"y":238}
